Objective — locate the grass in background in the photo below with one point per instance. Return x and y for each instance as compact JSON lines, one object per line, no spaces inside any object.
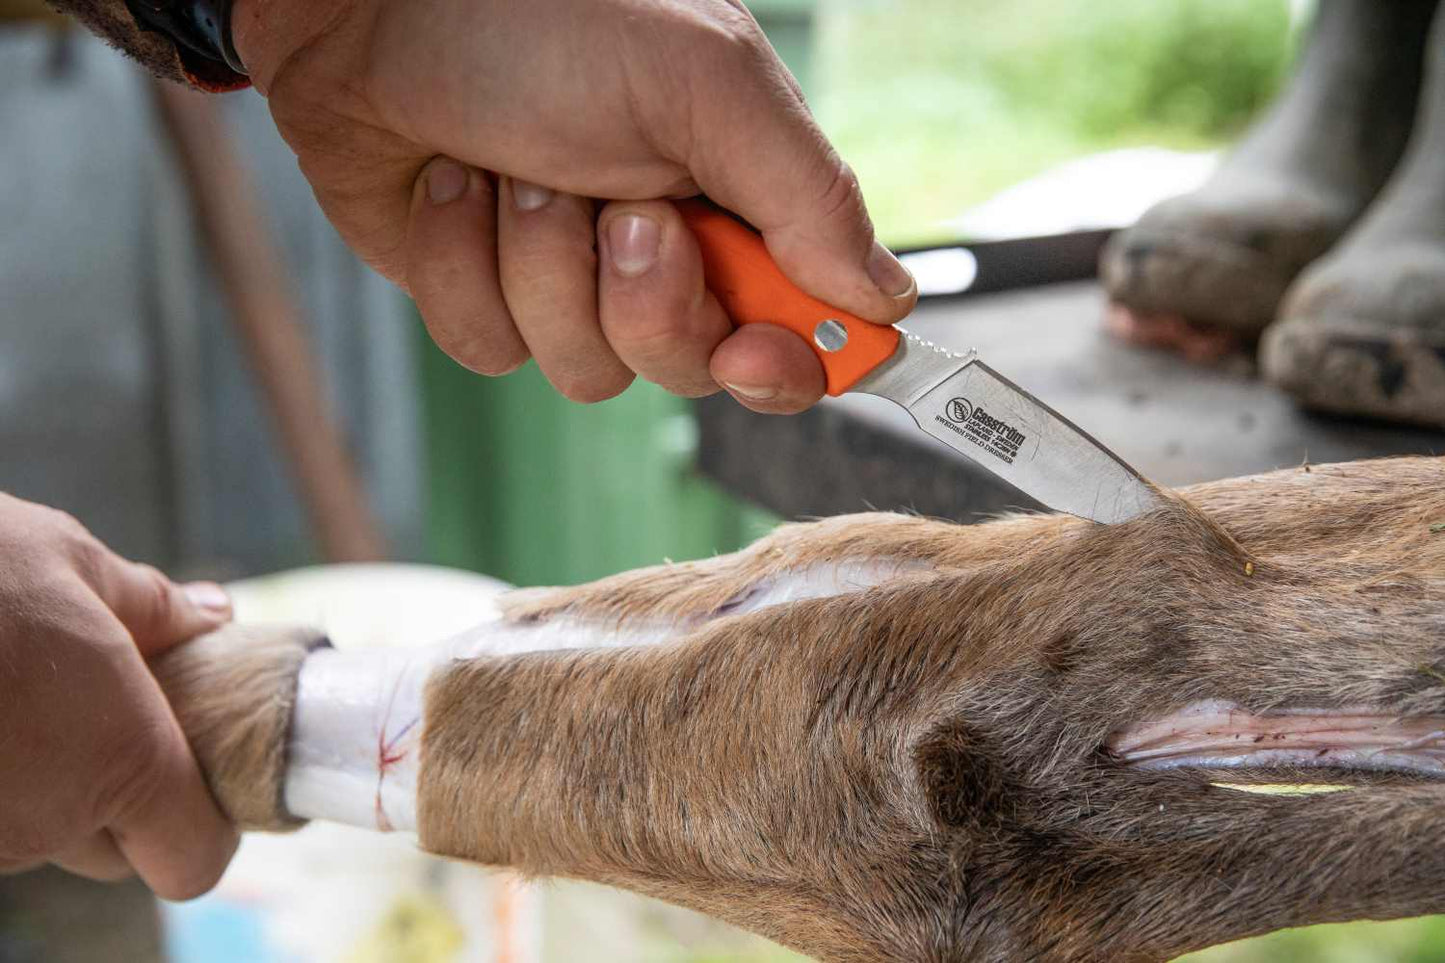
{"x":1403,"y":941}
{"x":938,"y":104}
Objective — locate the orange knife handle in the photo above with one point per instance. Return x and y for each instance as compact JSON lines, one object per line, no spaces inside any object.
{"x":752,"y":290}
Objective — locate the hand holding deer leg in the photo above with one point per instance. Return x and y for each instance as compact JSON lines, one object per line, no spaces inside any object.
{"x":882,"y":737}
{"x":98,"y":778}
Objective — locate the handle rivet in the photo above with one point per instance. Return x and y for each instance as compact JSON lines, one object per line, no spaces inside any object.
{"x":830,"y":335}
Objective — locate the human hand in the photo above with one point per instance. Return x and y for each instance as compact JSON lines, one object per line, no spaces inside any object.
{"x":572,"y":120}
{"x":98,"y":777}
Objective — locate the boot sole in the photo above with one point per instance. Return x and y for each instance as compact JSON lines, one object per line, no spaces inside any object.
{"x":1359,"y":368}
{"x":1203,"y":280}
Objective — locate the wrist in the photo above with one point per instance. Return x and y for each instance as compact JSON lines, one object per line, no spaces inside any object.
{"x":249,"y":36}
{"x":267,"y":32}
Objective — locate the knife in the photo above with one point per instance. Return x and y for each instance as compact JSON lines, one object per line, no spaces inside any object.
{"x":957,"y":399}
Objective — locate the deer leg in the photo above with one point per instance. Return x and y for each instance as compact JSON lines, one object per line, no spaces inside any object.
{"x":884,"y":738}
{"x":672,"y":770}
{"x":355,"y":719}
{"x":1174,"y":867}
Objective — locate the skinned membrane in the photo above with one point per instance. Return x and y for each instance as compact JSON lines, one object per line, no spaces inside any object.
{"x":1216,"y":734}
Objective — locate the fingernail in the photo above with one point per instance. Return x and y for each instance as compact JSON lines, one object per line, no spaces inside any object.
{"x":888,"y":273}
{"x":446,"y":180}
{"x":529,"y":197}
{"x":208,"y":596}
{"x":752,"y":392}
{"x":633,"y":242}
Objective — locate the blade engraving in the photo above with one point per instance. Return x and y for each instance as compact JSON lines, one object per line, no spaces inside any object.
{"x":968,"y":406}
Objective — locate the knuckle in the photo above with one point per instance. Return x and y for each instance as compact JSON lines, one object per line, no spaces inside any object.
{"x":191,"y":879}
{"x":492,"y":363}
{"x":154,"y":601}
{"x":590,"y":389}
{"x":842,"y":196}
{"x":732,"y":31}
{"x":665,"y":331}
{"x":714,"y":46}
{"x":68,"y":530}
{"x":139,"y":772}
{"x":434,"y":283}
{"x":24,"y":846}
{"x":479,"y":348}
{"x":82,"y":551}
{"x":726,"y":48}
{"x":63,"y":522}
{"x":692,"y":389}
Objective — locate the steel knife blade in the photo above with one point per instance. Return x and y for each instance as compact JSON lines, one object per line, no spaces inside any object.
{"x":971,"y":408}
{"x":957,"y":399}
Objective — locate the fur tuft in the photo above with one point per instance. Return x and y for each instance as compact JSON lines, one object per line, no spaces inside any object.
{"x":233,"y":691}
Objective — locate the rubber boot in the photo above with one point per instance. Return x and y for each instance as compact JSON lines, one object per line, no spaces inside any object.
{"x":1362,"y":331}
{"x":1221,"y":258}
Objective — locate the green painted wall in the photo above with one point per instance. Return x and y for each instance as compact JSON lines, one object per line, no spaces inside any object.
{"x":534,"y":489}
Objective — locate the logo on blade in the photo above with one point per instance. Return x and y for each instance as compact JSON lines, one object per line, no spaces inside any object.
{"x":960,"y":410}
{"x":993,"y":435}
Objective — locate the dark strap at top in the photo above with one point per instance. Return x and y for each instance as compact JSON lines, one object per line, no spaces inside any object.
{"x":200,"y":28}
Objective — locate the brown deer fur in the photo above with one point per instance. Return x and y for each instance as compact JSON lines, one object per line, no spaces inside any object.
{"x":920,"y":770}
{"x":233,"y":691}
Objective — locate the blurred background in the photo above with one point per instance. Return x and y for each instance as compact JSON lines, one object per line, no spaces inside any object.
{"x":135,"y":393}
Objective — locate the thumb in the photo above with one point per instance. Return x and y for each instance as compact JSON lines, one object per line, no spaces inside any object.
{"x":756,"y":150}
{"x":157,"y":612}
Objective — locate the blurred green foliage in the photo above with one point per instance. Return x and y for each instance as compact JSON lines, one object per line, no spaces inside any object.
{"x":1403,"y":941}
{"x":1181,"y":69}
{"x":939,"y":103}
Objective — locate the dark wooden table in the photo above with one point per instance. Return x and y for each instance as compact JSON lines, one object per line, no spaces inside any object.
{"x":1176,"y":423}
